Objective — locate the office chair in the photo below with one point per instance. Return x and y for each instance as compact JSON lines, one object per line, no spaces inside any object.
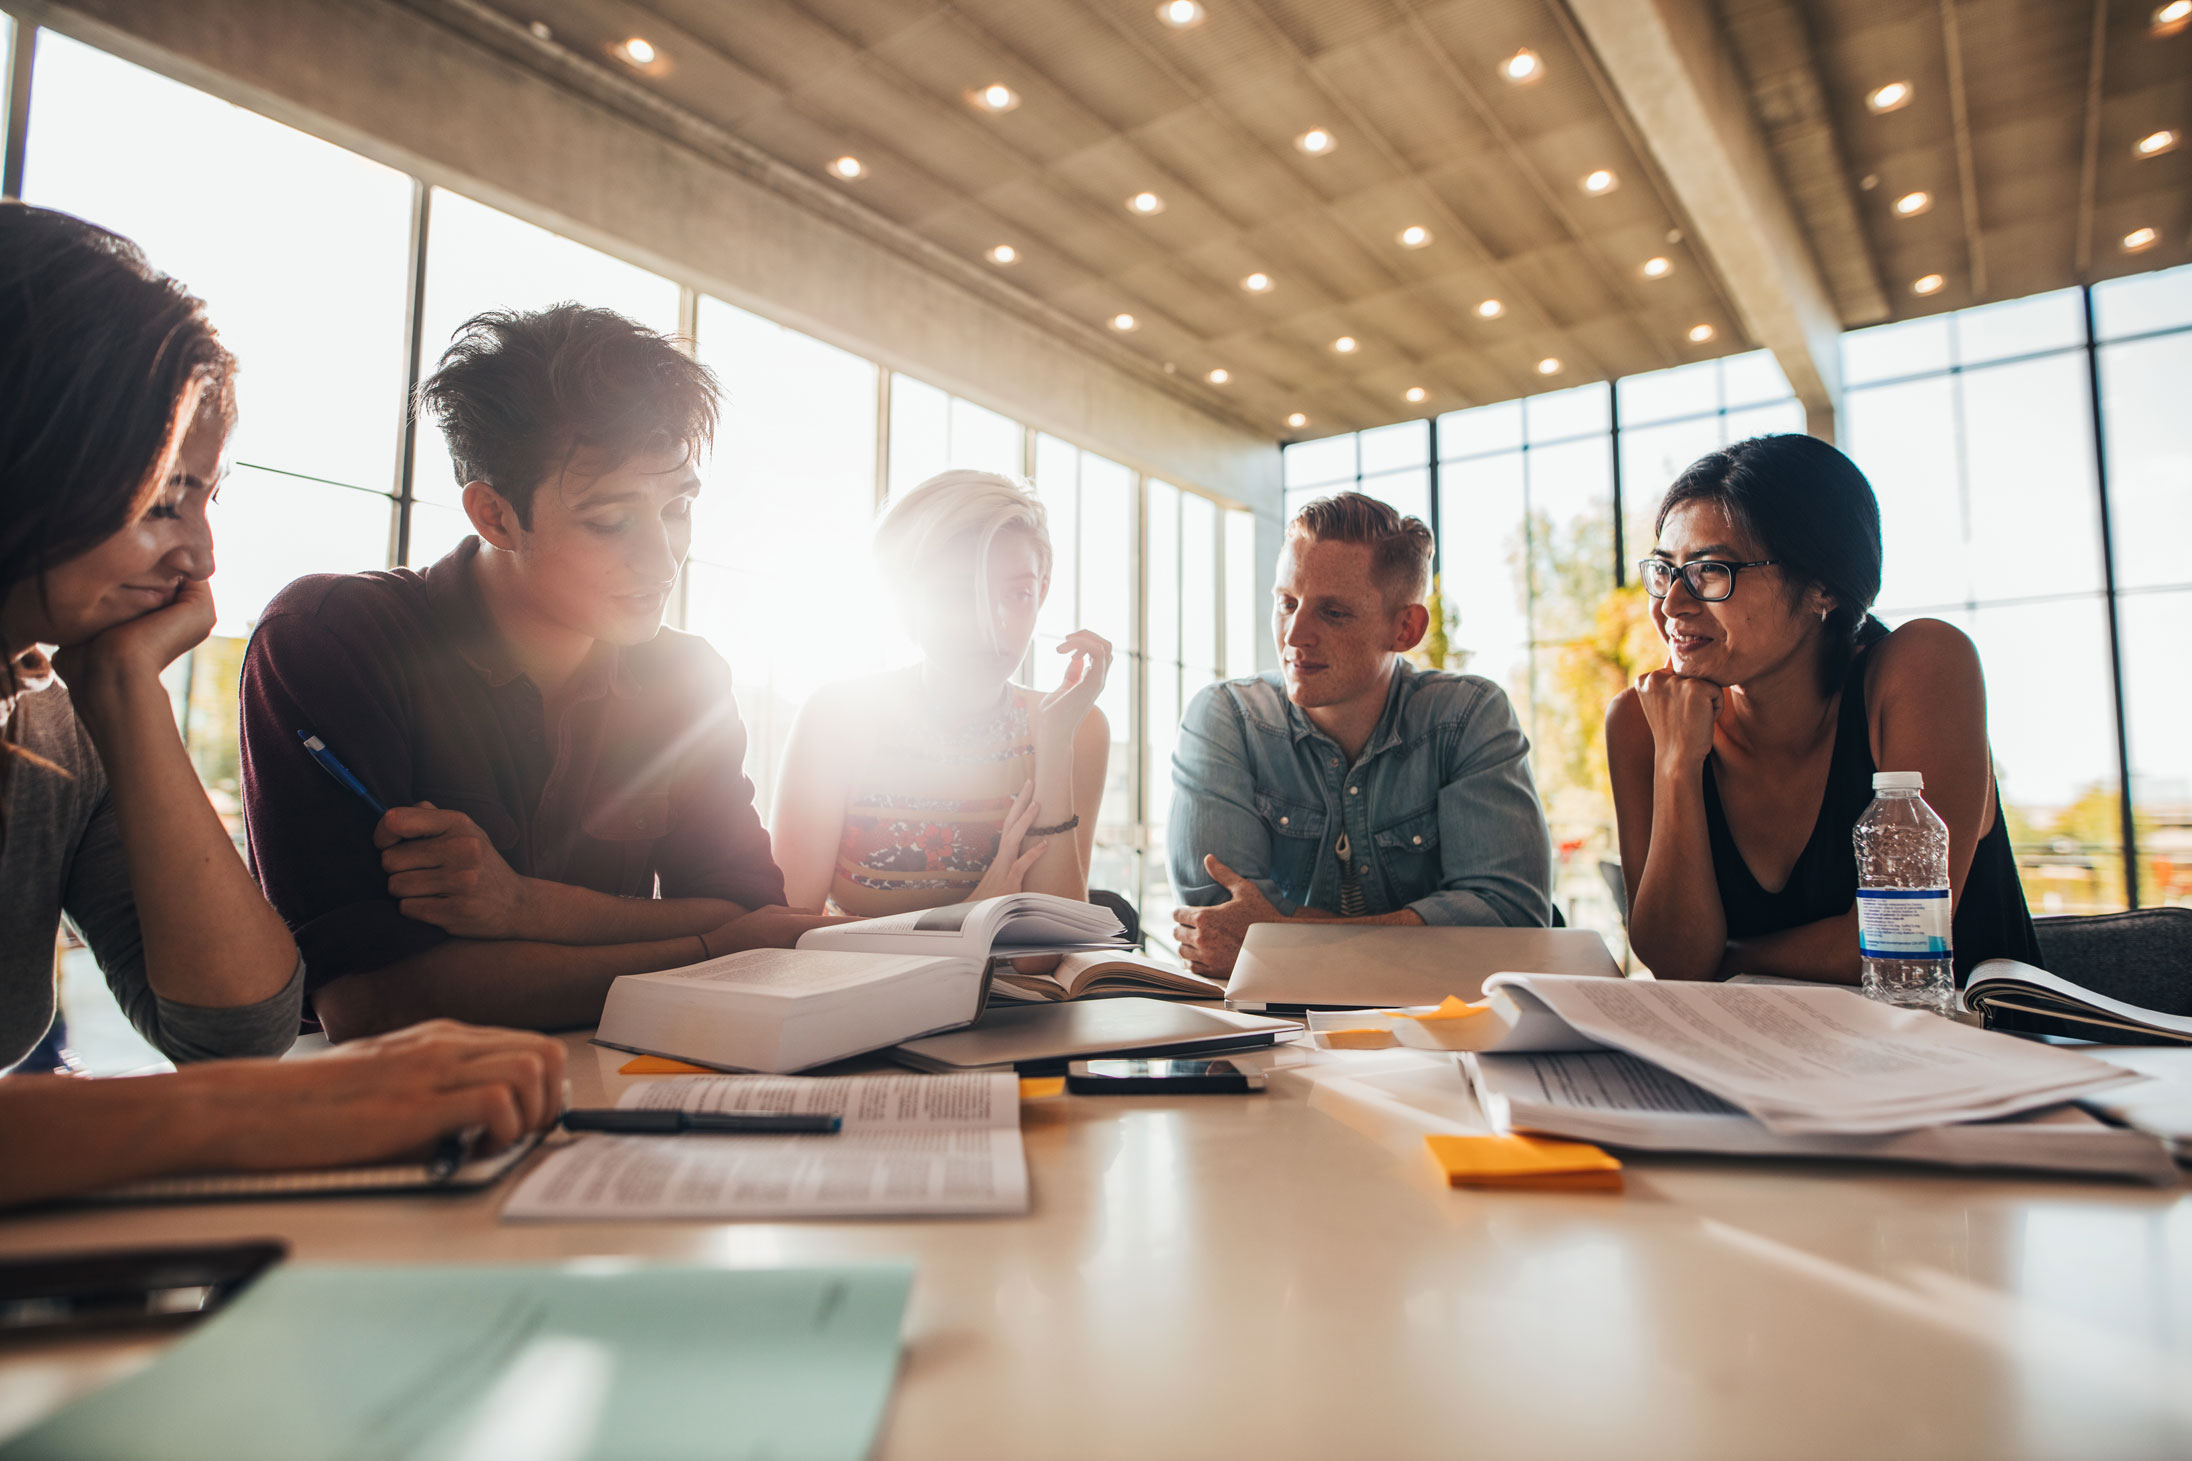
{"x":2143,"y":957}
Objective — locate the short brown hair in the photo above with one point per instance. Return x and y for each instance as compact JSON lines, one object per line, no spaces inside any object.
{"x":1400,"y":547}
{"x":519,"y":395}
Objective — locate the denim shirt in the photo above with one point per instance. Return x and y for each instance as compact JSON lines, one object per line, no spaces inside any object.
{"x":1439,"y":812}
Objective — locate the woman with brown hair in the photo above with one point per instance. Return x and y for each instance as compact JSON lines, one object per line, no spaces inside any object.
{"x":115,"y":403}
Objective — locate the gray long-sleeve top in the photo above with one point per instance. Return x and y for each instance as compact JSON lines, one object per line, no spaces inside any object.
{"x":61,"y":852}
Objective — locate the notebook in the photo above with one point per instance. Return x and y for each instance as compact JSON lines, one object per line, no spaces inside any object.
{"x":319,"y":1182}
{"x":1293,"y":966}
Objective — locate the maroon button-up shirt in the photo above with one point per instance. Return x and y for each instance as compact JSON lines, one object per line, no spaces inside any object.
{"x":641,"y":788}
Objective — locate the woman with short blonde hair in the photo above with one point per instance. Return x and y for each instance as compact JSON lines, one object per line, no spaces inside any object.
{"x":945,"y":781}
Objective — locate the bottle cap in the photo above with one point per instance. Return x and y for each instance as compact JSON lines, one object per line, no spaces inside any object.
{"x":1898,"y":781}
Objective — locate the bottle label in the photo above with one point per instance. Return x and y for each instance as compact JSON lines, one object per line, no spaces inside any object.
{"x":1903,"y":923}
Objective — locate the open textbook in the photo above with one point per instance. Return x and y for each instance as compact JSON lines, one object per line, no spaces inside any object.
{"x":2016,"y":996}
{"x":1812,"y":1059}
{"x":912,"y":1145}
{"x":1017,"y":923}
{"x":1101,"y":975}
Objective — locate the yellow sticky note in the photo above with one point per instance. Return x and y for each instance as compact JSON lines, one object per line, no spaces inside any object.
{"x":1366,"y":1038}
{"x":1041,"y":1087}
{"x":1519,"y":1161}
{"x":1454,"y":1008}
{"x":662,"y":1065}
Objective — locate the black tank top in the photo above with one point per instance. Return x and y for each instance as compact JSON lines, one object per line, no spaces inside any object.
{"x":1991,"y":920}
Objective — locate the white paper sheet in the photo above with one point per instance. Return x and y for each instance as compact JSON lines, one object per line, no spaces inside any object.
{"x":912,"y":1145}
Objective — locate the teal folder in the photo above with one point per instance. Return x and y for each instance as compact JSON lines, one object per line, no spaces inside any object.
{"x":597,"y":1359}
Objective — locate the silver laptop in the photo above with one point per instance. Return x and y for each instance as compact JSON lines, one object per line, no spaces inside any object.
{"x":1294,"y":966}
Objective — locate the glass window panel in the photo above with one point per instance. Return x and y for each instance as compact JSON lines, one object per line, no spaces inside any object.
{"x":269,"y":529}
{"x":2149,"y":458}
{"x":1480,"y":429}
{"x":1316,"y":463}
{"x":2034,"y":513}
{"x":1902,"y":438}
{"x":722,"y":605}
{"x":1481,"y":521}
{"x":1889,"y":352}
{"x":1163,"y":574}
{"x":1198,"y":582}
{"x":435,"y":529}
{"x":1244,"y":606}
{"x":1057,"y":483}
{"x":1651,"y":458}
{"x":1684,"y":390}
{"x":7,"y":74}
{"x":480,"y":259}
{"x":1403,"y":444}
{"x":1579,"y":411}
{"x":1407,"y":493}
{"x":1571,"y":532}
{"x":1165,"y":706}
{"x":983,"y":441}
{"x":1765,"y":420}
{"x":2143,"y":302}
{"x":2158,"y":706}
{"x":299,"y":249}
{"x":920,"y":432}
{"x":2020,"y":327}
{"x":2054,"y":749}
{"x":1752,"y":377}
{"x":1107,"y":556}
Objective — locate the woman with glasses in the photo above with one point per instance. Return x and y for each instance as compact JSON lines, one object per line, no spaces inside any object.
{"x":1741,"y":767}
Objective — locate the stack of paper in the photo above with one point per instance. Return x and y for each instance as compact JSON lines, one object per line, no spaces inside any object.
{"x":930,"y":1145}
{"x":1800,"y":1060}
{"x":554,"y":1364}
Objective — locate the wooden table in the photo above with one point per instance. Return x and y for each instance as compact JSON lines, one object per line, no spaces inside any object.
{"x":1246,"y":1276}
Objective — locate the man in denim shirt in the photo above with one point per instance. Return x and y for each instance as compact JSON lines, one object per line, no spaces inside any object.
{"x":1351,"y":786}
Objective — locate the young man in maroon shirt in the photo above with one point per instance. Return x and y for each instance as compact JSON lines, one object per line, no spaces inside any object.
{"x":563,"y":775}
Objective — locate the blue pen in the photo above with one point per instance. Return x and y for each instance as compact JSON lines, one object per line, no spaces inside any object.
{"x":317,"y":749}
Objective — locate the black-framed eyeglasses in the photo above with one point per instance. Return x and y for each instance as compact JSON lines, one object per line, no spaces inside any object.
{"x":1708,"y":579}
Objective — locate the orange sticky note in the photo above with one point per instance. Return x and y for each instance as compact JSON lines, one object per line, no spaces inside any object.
{"x":1041,"y":1087}
{"x":1454,"y":1008}
{"x":1519,"y":1161}
{"x":1367,"y":1038}
{"x":662,"y":1065}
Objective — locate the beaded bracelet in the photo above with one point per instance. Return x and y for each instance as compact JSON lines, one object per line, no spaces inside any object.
{"x":1066,"y":826}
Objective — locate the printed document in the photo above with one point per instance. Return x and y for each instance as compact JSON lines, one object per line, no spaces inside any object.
{"x":912,"y":1145}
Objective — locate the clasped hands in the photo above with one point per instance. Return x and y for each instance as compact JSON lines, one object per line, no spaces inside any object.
{"x":1209,"y":938}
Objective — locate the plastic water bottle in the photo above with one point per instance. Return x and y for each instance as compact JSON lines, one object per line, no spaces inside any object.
{"x":1903,"y":897}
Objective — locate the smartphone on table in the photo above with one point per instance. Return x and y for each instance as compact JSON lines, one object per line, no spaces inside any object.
{"x":1161,"y":1077}
{"x":135,"y":1288}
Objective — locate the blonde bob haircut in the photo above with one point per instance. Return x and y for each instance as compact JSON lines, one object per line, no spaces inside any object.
{"x":954,"y":518}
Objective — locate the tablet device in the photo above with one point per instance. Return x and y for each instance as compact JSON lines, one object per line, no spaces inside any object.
{"x":1299,"y":966}
{"x":1040,"y":1039}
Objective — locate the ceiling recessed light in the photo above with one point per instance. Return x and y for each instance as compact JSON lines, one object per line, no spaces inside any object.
{"x":1522,"y":66}
{"x":639,"y":51}
{"x":848,"y":167}
{"x":1316,"y":142}
{"x":1004,"y":254}
{"x":1891,"y":97}
{"x":1180,"y":14}
{"x":541,"y":31}
{"x":1656,"y":268}
{"x":995,"y":97}
{"x":1125,"y":322}
{"x":1345,"y":345}
{"x":1257,"y":284}
{"x":1416,"y":394}
{"x":1414,"y":236}
{"x":1491,"y":309}
{"x":1220,"y":376}
{"x":1145,"y":204}
{"x":1927,"y":284}
{"x":2154,"y":144}
{"x":1910,"y":205}
{"x":1600,"y":181}
{"x":1297,"y":420}
{"x":2171,"y":17}
{"x":1699,"y":334}
{"x":2140,"y":239}
{"x":1550,"y":365}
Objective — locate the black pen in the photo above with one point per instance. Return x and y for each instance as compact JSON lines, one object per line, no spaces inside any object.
{"x":639,"y":1121}
{"x":453,"y":1152}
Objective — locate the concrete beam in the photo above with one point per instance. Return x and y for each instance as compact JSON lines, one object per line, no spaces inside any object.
{"x":1666,"y":60}
{"x":385,"y":81}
